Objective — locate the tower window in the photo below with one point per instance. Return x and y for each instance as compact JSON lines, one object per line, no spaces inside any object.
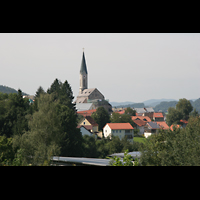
{"x":84,"y":83}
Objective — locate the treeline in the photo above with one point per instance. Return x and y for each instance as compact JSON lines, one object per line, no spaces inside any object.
{"x":30,"y":134}
{"x":164,"y":106}
{"x":180,"y":147}
{"x":134,"y":105}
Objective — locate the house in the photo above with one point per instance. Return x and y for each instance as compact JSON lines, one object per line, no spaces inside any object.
{"x":143,"y":118}
{"x":121,"y":112}
{"x":119,"y":129}
{"x":85,"y":131}
{"x":163,"y":125}
{"x":84,"y":106}
{"x":150,"y":128}
{"x":158,"y":116}
{"x":140,"y":125}
{"x":89,"y":123}
{"x":144,"y":111}
{"x":85,"y":113}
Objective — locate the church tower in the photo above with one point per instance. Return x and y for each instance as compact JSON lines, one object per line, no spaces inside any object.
{"x":83,"y":76}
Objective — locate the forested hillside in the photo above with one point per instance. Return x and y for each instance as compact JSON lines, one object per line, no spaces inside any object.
{"x":8,"y":90}
{"x":165,"y":105}
{"x":134,"y":105}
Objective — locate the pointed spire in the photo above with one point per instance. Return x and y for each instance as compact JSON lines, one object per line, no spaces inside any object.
{"x":83,"y":64}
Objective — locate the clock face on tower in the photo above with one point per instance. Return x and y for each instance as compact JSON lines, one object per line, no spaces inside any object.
{"x":84,"y":76}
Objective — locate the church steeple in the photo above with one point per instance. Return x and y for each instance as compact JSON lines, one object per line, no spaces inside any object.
{"x":83,"y":75}
{"x":83,"y":65}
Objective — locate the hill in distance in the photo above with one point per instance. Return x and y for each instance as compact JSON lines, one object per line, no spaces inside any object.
{"x":8,"y":90}
{"x":114,"y":104}
{"x":149,"y":103}
{"x":154,"y":102}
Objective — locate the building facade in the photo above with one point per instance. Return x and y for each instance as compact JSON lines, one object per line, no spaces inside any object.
{"x":119,"y":129}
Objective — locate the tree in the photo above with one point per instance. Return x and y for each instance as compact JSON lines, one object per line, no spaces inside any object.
{"x":13,"y":114}
{"x":127,"y":160}
{"x":55,"y":87}
{"x":194,"y":113}
{"x":184,"y":106}
{"x":89,"y":146}
{"x":125,"y":118}
{"x":179,"y":147}
{"x":44,"y":137}
{"x":101,"y":116}
{"x":39,"y":91}
{"x":71,"y":143}
{"x":6,"y":150}
{"x":130,"y":111}
{"x":173,"y":116}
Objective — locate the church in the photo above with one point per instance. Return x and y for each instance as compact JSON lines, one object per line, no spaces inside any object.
{"x":90,"y":95}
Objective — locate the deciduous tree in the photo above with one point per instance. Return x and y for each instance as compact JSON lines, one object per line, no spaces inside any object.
{"x":101,"y":116}
{"x":185,"y":107}
{"x":179,"y":147}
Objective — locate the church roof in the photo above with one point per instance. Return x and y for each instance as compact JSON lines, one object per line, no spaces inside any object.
{"x":83,"y":65}
{"x":86,"y":92}
{"x":81,"y":100}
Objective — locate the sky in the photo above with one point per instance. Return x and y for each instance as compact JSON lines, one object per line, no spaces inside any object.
{"x":122,"y":66}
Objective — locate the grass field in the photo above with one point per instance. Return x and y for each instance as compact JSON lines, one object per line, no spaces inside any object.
{"x":139,"y":139}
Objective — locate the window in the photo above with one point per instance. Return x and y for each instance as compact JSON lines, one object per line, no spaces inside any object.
{"x":84,"y":123}
{"x":113,"y":131}
{"x":120,"y":131}
{"x":116,"y":131}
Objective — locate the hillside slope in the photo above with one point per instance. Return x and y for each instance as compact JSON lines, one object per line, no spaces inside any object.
{"x":8,"y":90}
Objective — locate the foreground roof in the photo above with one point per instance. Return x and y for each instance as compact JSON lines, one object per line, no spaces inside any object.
{"x":118,"y":126}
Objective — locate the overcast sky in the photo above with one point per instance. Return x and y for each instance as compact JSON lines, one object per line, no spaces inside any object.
{"x":123,"y":66}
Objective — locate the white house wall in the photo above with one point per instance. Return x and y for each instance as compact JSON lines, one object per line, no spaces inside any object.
{"x":107,"y":131}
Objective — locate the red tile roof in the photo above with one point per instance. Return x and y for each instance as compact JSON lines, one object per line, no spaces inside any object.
{"x":139,"y":122}
{"x":172,"y":126}
{"x":86,"y":112}
{"x":120,"y":112}
{"x":184,"y":121}
{"x":163,"y":125}
{"x":159,"y":114}
{"x":143,"y":118}
{"x":119,"y":126}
